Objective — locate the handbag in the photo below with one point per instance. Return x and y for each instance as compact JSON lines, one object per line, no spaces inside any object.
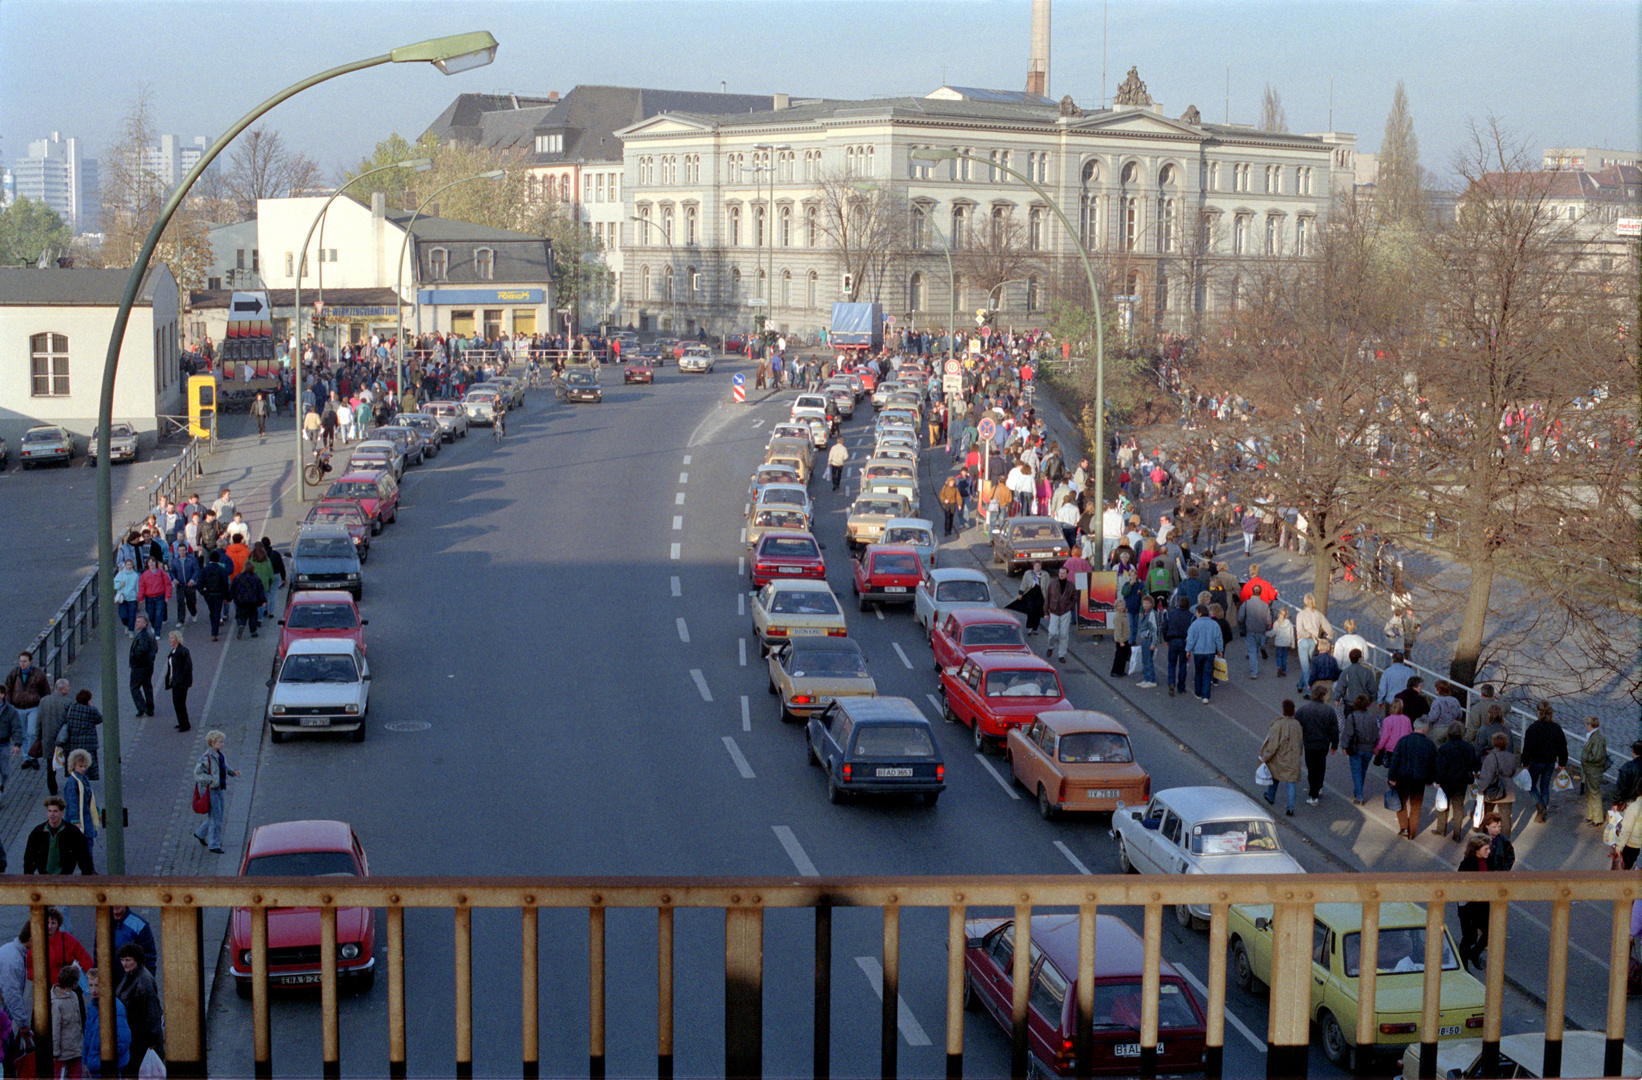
{"x":1221,"y":672}
{"x":202,"y":799}
{"x":1262,"y":775}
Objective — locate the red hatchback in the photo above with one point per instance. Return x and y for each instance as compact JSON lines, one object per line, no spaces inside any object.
{"x":1051,"y":1013}
{"x":787,"y":553}
{"x":320,"y":613}
{"x":375,"y":493}
{"x":993,"y":692}
{"x":305,"y":849}
{"x":968,"y":631}
{"x":887,"y":574}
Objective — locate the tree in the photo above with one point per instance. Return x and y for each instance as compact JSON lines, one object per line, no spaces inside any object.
{"x":27,"y":229}
{"x":1399,"y":192}
{"x":1272,"y":116}
{"x":261,"y":166}
{"x":994,"y":253}
{"x":133,"y":197}
{"x":866,"y":226}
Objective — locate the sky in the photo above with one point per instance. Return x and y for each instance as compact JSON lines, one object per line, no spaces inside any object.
{"x":1554,"y":72}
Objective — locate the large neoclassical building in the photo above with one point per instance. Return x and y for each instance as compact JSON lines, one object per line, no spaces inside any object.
{"x":730,"y":216}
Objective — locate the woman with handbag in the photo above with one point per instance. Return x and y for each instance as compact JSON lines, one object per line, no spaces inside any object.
{"x":211,"y":775}
{"x":1499,"y":767}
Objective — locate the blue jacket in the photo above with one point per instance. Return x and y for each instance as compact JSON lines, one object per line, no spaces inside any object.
{"x":185,"y":569}
{"x":134,"y":930}
{"x":1204,"y":636}
{"x":92,"y":1053}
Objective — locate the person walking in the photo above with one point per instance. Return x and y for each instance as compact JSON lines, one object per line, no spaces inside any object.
{"x":838,"y":456}
{"x":1029,"y":602}
{"x":1282,"y":639}
{"x":82,"y":719}
{"x":1544,"y":750}
{"x":55,"y":846}
{"x":211,"y":772}
{"x":214,"y":586}
{"x":1281,"y":752}
{"x":81,"y":809}
{"x":1474,"y":913}
{"x":1176,"y":624}
{"x":259,"y":410}
{"x":154,"y":590}
{"x":145,"y":648}
{"x":1628,"y":841}
{"x":179,"y":676}
{"x":11,"y":732}
{"x":1320,"y":737}
{"x":1059,"y":604}
{"x":1204,"y":641}
{"x":1457,"y":765}
{"x":1147,"y":632}
{"x":1494,"y":778}
{"x":1356,"y":680}
{"x":1310,"y":628}
{"x":52,"y":719}
{"x":185,"y":576}
{"x":26,"y":687}
{"x":950,"y":501}
{"x":126,"y":584}
{"x":1359,"y":734}
{"x":92,"y":1056}
{"x":1412,"y":767}
{"x":68,"y":1023}
{"x":143,"y":1008}
{"x":1254,"y":616}
{"x":1593,"y":763}
{"x":248,"y":597}
{"x":263,"y":567}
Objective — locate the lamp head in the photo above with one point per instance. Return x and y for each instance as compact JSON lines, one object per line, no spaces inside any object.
{"x":420,"y":164}
{"x":494,"y":174}
{"x":929,"y":153}
{"x":457,"y":53}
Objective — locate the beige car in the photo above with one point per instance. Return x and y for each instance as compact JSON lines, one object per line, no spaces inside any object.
{"x":788,"y":609}
{"x":811,"y":673}
{"x":869,"y":514}
{"x":1077,"y":760}
{"x":782,"y":454}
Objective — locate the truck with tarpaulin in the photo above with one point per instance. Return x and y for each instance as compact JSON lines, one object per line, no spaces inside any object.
{"x":857,"y":328}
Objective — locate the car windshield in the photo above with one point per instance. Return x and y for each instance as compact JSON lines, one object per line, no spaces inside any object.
{"x":328,"y":547}
{"x":827,"y":663}
{"x":439,"y":409}
{"x":1118,"y":1006}
{"x":1022,"y":684}
{"x":1401,"y":950}
{"x":956,"y":592}
{"x":777,"y":476}
{"x":893,"y":741}
{"x":779,"y":519}
{"x":784,"y":496}
{"x":581,"y":378}
{"x":917,"y":537}
{"x":890,"y":472}
{"x":1043,"y":531}
{"x":481,"y":397}
{"x":321,"y":617}
{"x":352,"y":489}
{"x":993,"y":634}
{"x":789,"y":547}
{"x":118,"y":431}
{"x":1233,"y":837}
{"x":894,"y":562}
{"x":885,"y":507}
{"x":339,"y":515}
{"x":791,"y":431}
{"x":319,"y":668}
{"x":1096,"y":747}
{"x":49,"y":435}
{"x":808,"y":602}
{"x":303,"y":864}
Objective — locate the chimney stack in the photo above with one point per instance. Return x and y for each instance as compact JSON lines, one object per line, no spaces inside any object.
{"x":1037,"y":66}
{"x":553,"y":95}
{"x":782,"y":101}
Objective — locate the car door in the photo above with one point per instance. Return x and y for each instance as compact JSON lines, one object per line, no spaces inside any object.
{"x":1335,"y":992}
{"x":1146,"y":844}
{"x":923,"y":604}
{"x":966,"y":693}
{"x":1320,"y":974}
{"x":761,"y":608}
{"x":943,"y":641}
{"x":1171,"y":850}
{"x":838,"y":737}
{"x":1049,"y":770}
{"x":1027,"y":763}
{"x":997,"y":982}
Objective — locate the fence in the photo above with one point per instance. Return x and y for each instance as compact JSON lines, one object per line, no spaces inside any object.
{"x":744,"y":902}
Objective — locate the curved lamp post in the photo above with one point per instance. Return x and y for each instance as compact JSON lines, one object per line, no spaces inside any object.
{"x":415,"y":164}
{"x":666,"y":235}
{"x":1094,"y":299}
{"x":460,"y":52}
{"x":399,"y":290}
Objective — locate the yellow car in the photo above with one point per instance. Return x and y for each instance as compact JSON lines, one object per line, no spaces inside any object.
{"x":791,"y":608}
{"x":1399,"y":988}
{"x":811,"y":673}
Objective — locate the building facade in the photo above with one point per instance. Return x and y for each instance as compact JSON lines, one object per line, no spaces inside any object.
{"x":54,"y":331}
{"x":744,"y":214}
{"x":56,"y":173}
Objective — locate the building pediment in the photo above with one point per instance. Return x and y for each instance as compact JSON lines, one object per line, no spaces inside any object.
{"x":665,"y":124}
{"x":1138,"y":121}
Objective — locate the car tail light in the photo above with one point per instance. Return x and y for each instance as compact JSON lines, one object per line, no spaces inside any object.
{"x":847,"y":770}
{"x":1473,"y":1021}
{"x":1397,"y":1029}
{"x":1068,"y":1050}
{"x":1146,"y":789}
{"x":940,"y":772}
{"x":802,"y":699}
{"x":837,"y":631}
{"x":776,"y":631}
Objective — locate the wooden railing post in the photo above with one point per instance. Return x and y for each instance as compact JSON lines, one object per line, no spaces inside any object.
{"x":1289,"y":1029}
{"x":182,"y":967}
{"x":743,"y":991}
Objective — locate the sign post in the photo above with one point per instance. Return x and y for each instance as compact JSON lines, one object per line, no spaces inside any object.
{"x":952,"y":381}
{"x":987,"y":428}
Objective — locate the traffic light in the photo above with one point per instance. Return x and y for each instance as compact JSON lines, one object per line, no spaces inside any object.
{"x":849,"y":283}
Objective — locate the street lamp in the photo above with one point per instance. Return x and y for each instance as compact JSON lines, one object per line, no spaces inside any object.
{"x":931,"y":154}
{"x":667,"y":235}
{"x":399,"y":290}
{"x":999,"y":285}
{"x":769,"y":226}
{"x":450,"y":55}
{"x":416,"y":164}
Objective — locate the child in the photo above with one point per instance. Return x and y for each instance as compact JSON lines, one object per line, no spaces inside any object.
{"x":1282,"y":639}
{"x":68,"y":1022}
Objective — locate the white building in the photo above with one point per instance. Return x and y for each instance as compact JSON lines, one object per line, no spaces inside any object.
{"x":57,"y":174}
{"x":54,"y":331}
{"x":1170,"y":208}
{"x":170,"y":161}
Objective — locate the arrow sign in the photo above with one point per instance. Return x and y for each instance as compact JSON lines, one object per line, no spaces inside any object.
{"x":739,"y":379}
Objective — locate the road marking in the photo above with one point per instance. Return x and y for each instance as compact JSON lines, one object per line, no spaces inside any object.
{"x":743,"y":534}
{"x":1008,"y":788}
{"x":701,"y":684}
{"x":911,"y":1030}
{"x":741,"y":647}
{"x":746,"y":508}
{"x":1259,"y":1043}
{"x":683,"y":631}
{"x":879,"y":611}
{"x":678,"y":522}
{"x":746,"y":714}
{"x":741,"y":603}
{"x":740,"y":565}
{"x":940,"y":710}
{"x":684,"y":478}
{"x":678,"y":590}
{"x":795,"y":851}
{"x":1078,"y":863}
{"x":678,"y":500}
{"x":675,"y":551}
{"x":740,"y":760}
{"x":899,"y":652}
{"x":686,"y":459}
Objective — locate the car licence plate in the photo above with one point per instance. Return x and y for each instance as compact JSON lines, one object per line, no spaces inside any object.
{"x":895,"y":588}
{"x":316,"y":721}
{"x":1101,"y":793}
{"x":298,"y":980}
{"x":790,"y":569}
{"x":1131,"y":1050}
{"x":805,"y":631}
{"x":893,"y":772}
{"x":1452,"y":1029}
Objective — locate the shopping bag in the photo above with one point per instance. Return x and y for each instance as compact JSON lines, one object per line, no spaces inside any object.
{"x":1439,"y":802}
{"x":1610,"y":827}
{"x":1393,"y":801}
{"x":1221,"y":672}
{"x":1562,"y":781}
{"x":1134,"y":660}
{"x":1262,"y":775}
{"x":1477,"y":810}
{"x":152,"y":1067}
{"x":1523,"y":781}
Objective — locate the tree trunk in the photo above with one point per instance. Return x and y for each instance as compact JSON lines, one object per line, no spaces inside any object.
{"x":1468,"y":647}
{"x":1318,"y":526}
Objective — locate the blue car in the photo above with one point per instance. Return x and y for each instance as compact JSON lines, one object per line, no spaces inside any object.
{"x":876,"y":746}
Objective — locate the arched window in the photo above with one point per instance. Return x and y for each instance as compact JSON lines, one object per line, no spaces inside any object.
{"x":438,"y":264}
{"x":786,"y":226}
{"x":915,"y":293}
{"x":786,"y":288}
{"x":960,"y":226}
{"x":1131,"y":224}
{"x":694,"y":277}
{"x":735,"y":226}
{"x":668,"y":233}
{"x":867,"y":163}
{"x":1302,"y":236}
{"x":48,"y":365}
{"x":849,"y":159}
{"x":919,"y":216}
{"x":761,"y":294}
{"x":644,"y":283}
{"x":1271,"y":234}
{"x":1131,"y":175}
{"x":810,"y":282}
{"x":644,"y":223}
{"x":1168,"y":233}
{"x":1031,"y":294}
{"x":1034,"y":229}
{"x":812,"y":226}
{"x":759,"y":225}
{"x":1166,"y":176}
{"x":667,"y":284}
{"x":690,"y":225}
{"x":1089,"y":221}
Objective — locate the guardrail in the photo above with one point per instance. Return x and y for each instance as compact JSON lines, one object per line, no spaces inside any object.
{"x":744,"y":902}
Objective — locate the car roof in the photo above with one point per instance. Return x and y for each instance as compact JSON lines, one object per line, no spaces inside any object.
{"x":890,"y":549}
{"x":300,"y":836}
{"x":362,"y":474}
{"x":1348,"y":918}
{"x":322,"y":529}
{"x":974,"y":616}
{"x":1119,"y":951}
{"x":47,"y":427}
{"x":1065,"y":722}
{"x":322,"y":646}
{"x":883,"y":710}
{"x":784,"y":486}
{"x":1033,"y":520}
{"x":376,"y":444}
{"x":800,"y":584}
{"x":338,"y":505}
{"x":1582,"y":1053}
{"x":1208,"y":802}
{"x":321,"y":596}
{"x":990,"y":661}
{"x":956,"y":573}
{"x":789,"y":534}
{"x":910,"y":522}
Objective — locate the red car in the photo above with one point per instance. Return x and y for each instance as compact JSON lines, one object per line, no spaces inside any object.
{"x":346,"y":513}
{"x":887,"y":574}
{"x":305,"y":849}
{"x":786,"y":553}
{"x":993,"y":692}
{"x":969,"y":631}
{"x":638,"y":371}
{"x":320,"y":613}
{"x":375,"y":493}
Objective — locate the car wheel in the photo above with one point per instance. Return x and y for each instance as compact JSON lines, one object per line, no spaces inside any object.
{"x":978,"y":736}
{"x":376,"y":526}
{"x":946,"y":710}
{"x":1046,"y":809}
{"x":835,"y":795}
{"x":1183,"y":915}
{"x":971,"y":999}
{"x":25,"y":465}
{"x":365,"y":981}
{"x":1123,"y":862}
{"x":242,"y":987}
{"x":1335,"y":1047}
{"x":1242,"y":970}
{"x":359,"y":732}
{"x":865,"y":603}
{"x":276,"y":736}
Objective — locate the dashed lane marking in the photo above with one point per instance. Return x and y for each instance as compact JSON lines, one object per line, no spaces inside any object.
{"x":686,"y":459}
{"x":701,"y":684}
{"x":741,"y":647}
{"x":1258,"y":1043}
{"x":678,"y":522}
{"x":739,"y":758}
{"x":1008,"y":788}
{"x":795,"y":851}
{"x":678,"y":590}
{"x":678,"y":500}
{"x":741,"y":603}
{"x":902,"y":654}
{"x":683,"y":631}
{"x":911,"y":1030}
{"x":684,"y":478}
{"x":746,"y":714}
{"x":675,"y":551}
{"x":1078,"y":864}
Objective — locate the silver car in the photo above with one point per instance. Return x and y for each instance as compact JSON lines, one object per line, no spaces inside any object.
{"x":408,"y":440}
{"x":122,"y":443}
{"x":696,"y":358}
{"x":480,"y":404}
{"x":47,"y":443}
{"x":432,"y":434}
{"x":452,"y":418}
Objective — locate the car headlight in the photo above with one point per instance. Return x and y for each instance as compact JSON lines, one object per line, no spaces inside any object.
{"x":352,"y":710}
{"x":350,"y":951}
{"x":245,"y":958}
{"x":353,"y":577}
{"x":277,"y":710}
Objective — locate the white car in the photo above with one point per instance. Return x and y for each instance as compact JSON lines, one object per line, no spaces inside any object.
{"x":790,"y":496}
{"x":791,"y":429}
{"x":948,"y":589}
{"x":815,"y":404}
{"x":696,"y":358}
{"x":323,"y":684}
{"x":1199,"y":830}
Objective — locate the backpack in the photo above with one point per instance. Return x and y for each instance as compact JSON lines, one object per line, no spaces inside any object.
{"x":214,"y":580}
{"x":1157,"y":576}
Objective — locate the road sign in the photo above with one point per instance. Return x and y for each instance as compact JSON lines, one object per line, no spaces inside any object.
{"x":889,"y":320}
{"x":757,"y":301}
{"x":986,"y":428}
{"x":986,"y":332}
{"x":952,"y":367}
{"x":952,"y":384}
{"x":249,"y":307}
{"x":738,"y":387}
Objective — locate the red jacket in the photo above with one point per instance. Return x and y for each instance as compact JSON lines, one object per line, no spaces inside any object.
{"x":154,"y":583}
{"x":1267,"y":592}
{"x":65,"y":949}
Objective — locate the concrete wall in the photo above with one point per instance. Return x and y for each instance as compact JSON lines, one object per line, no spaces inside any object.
{"x":367,"y":246}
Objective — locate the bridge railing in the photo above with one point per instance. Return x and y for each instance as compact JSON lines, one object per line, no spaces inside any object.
{"x":744,"y":902}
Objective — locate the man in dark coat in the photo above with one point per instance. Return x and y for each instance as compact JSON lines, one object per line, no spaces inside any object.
{"x":1457,"y":766}
{"x":1320,"y":736}
{"x":179,"y":676}
{"x":145,"y":650}
{"x":1412,"y":767}
{"x":249,"y":596}
{"x":57,"y":846}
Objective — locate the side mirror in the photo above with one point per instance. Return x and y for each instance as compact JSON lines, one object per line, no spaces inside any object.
{"x":1262,"y":924}
{"x":973,"y":943}
{"x":270,"y":683}
{"x":364,"y":622}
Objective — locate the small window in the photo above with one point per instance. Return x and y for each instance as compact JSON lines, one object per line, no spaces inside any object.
{"x":239,"y":259}
{"x":484,"y":264}
{"x":1171,"y":827}
{"x":1048,"y":996}
{"x":256,"y":260}
{"x":49,"y":364}
{"x":438,"y":264}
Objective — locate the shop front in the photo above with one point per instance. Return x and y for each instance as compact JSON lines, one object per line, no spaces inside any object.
{"x":487,"y":312}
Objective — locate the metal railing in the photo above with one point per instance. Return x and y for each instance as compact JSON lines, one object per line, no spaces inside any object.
{"x":67,"y":632}
{"x":744,"y":901}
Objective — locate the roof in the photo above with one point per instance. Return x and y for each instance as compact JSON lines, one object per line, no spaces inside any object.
{"x":322,"y":646}
{"x":1210,"y":802}
{"x":956,"y":573}
{"x":26,"y":285}
{"x":1067,"y":721}
{"x":360,"y":474}
{"x":882,"y":710}
{"x":321,"y":596}
{"x":992,"y":661}
{"x":977,"y":93}
{"x":1119,"y":951}
{"x":300,"y":836}
{"x":449,"y":229}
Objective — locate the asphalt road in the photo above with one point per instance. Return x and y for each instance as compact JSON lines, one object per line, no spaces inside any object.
{"x":561,"y":623}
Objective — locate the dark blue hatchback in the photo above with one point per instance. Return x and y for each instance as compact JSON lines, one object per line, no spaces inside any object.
{"x":876,"y":746}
